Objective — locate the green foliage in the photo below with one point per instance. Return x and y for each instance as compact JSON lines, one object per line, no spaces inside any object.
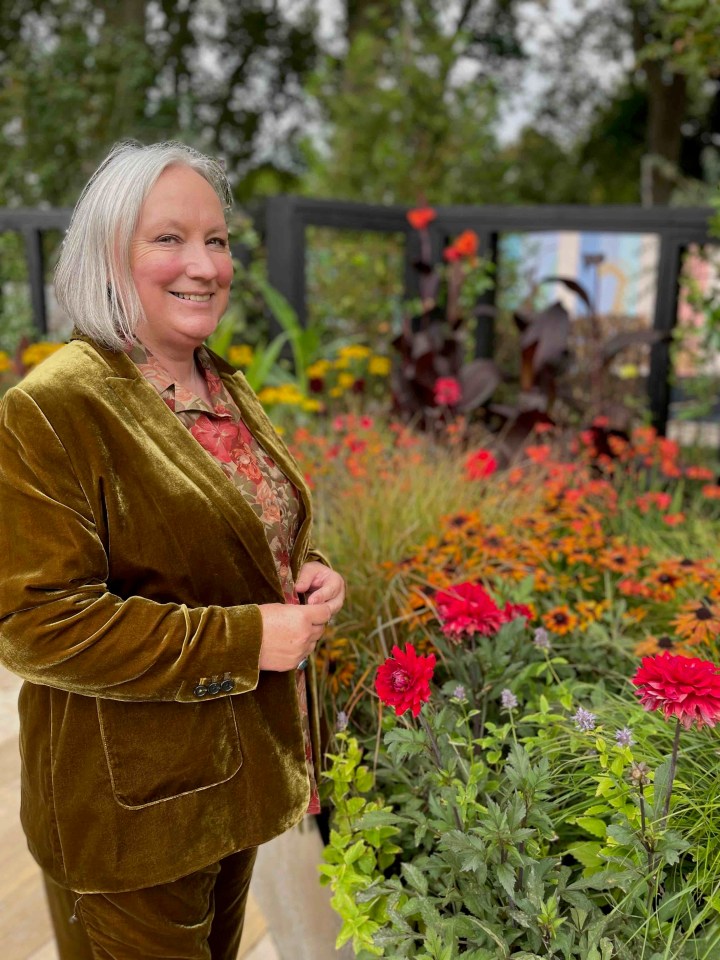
{"x":519,"y":835}
{"x":403,"y":122}
{"x":77,"y":75}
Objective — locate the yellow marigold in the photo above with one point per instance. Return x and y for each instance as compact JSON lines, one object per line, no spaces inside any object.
{"x":37,"y":352}
{"x":346,"y":380}
{"x":354,"y":351}
{"x":379,"y":366}
{"x":268,"y":395}
{"x":5,"y":361}
{"x":342,"y":363}
{"x":336,"y":392}
{"x":289,"y":395}
{"x":318,"y":369}
{"x":240,"y":355}
{"x":311,"y":405}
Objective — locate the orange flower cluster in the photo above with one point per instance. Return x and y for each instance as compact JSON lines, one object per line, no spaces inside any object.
{"x":580,"y":568}
{"x":561,"y":532}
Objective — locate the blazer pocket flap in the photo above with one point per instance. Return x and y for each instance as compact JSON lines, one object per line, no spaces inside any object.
{"x":161,"y":750}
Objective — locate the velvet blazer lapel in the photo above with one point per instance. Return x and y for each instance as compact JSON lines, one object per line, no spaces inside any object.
{"x":175,"y":443}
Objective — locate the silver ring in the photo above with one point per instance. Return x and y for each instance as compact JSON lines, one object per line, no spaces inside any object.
{"x":303,"y":663}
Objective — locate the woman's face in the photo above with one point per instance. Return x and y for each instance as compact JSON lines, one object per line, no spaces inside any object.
{"x":180,"y":261}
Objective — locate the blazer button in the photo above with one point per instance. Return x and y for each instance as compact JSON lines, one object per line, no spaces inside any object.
{"x":200,"y":690}
{"x":227,"y":686}
{"x":213,"y":688}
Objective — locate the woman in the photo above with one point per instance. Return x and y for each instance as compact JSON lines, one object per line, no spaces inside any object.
{"x":156,"y":537}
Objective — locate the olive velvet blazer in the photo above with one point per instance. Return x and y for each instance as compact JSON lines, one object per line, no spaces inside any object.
{"x":132,"y":568}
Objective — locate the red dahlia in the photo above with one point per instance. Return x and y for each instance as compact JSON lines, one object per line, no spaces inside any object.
{"x":684,"y":687}
{"x":403,"y":681}
{"x":511,"y":611}
{"x":480,"y":463}
{"x":447,"y":391}
{"x":468,"y":608}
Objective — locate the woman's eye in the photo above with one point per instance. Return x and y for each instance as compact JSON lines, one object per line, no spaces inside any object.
{"x":166,"y":238}
{"x":219,"y":241}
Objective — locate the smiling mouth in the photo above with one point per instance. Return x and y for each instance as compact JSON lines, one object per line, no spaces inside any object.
{"x":195,"y":297}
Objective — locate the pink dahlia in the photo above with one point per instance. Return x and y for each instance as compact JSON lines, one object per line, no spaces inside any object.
{"x":468,"y":608}
{"x":684,"y":687}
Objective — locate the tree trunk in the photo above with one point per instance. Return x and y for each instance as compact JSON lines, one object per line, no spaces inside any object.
{"x":128,"y":13}
{"x":370,"y":15}
{"x":667,"y":100}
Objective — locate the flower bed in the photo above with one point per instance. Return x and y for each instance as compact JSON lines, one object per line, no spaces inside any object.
{"x":497,"y":788}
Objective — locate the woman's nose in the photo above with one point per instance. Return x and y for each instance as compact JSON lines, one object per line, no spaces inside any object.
{"x":200,"y":262}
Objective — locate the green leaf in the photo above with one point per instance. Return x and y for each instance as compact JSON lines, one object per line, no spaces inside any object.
{"x":587,"y":853}
{"x":506,"y":876}
{"x":415,"y":877}
{"x":593,"y":825}
{"x":661,"y":784}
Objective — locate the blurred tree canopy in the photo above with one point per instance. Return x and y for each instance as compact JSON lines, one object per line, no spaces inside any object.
{"x":412,"y":105}
{"x":77,"y":75}
{"x":400,"y":98}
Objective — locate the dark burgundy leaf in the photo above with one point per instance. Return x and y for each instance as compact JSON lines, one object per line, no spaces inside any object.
{"x":573,"y":285}
{"x":632,"y":338}
{"x":478,"y":381}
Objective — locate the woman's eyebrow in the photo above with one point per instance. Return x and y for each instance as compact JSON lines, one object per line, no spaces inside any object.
{"x":219,"y":227}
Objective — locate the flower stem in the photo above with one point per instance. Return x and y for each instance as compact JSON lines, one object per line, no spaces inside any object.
{"x":437,"y":756}
{"x":673,"y":767}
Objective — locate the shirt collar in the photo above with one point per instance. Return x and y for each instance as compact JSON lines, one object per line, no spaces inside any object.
{"x":178,"y":397}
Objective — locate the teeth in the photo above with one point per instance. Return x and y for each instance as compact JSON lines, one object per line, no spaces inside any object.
{"x":196,"y":297}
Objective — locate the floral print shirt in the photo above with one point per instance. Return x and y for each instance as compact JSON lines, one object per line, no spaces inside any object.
{"x":220,"y":430}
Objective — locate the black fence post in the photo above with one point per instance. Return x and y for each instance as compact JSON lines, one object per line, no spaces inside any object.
{"x":485,"y":322}
{"x":666,"y":308}
{"x":285,"y":238}
{"x":36,"y":277}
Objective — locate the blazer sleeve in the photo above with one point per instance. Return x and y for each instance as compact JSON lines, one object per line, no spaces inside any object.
{"x":59,"y":624}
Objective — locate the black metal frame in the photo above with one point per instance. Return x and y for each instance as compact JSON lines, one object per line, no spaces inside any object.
{"x":287,"y":218}
{"x":31,"y":224}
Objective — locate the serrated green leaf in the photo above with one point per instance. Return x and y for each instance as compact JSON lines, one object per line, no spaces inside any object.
{"x":416,"y":878}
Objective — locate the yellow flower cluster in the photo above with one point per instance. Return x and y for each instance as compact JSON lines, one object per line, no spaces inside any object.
{"x":5,"y":361}
{"x":287,"y":394}
{"x":317,"y":370}
{"x":37,"y":352}
{"x":240,"y":355}
{"x":355,"y":351}
{"x":379,"y":366}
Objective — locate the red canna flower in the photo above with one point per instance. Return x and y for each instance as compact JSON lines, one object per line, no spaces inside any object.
{"x":403,"y":681}
{"x":467,"y":243}
{"x":451,"y":253}
{"x":447,"y":391}
{"x":684,"y":687}
{"x":480,"y":463}
{"x":468,"y":608}
{"x":421,"y":217}
{"x":699,"y":473}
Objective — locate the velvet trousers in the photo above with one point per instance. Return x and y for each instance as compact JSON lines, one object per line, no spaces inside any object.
{"x":198,"y":917}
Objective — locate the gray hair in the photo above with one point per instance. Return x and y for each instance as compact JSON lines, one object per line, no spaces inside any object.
{"x":93,"y":280}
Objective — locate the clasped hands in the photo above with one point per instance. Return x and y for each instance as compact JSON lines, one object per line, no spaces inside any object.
{"x":291,"y":631}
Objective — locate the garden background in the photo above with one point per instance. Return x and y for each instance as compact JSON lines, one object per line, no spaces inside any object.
{"x":515,"y":534}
